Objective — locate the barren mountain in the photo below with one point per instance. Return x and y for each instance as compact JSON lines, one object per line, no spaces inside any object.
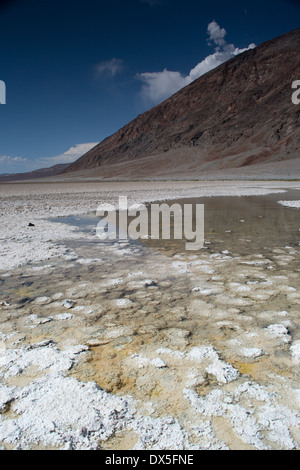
{"x":238,"y":116}
{"x":36,"y":174}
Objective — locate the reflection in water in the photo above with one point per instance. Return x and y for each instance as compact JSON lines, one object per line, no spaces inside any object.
{"x":241,"y":225}
{"x":143,"y":306}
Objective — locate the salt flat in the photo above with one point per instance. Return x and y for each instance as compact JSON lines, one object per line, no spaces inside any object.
{"x":123,"y":346}
{"x":21,"y":204}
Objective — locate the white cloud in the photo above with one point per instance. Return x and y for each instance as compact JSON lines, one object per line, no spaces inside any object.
{"x":10,"y":164}
{"x":158,"y":86}
{"x":216,"y":34}
{"x":11,"y":160}
{"x":69,"y":156}
{"x":110,"y":67}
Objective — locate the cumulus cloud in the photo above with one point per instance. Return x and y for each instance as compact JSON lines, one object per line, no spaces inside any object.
{"x":109,"y":68}
{"x":9,"y":164}
{"x":11,"y":160}
{"x":69,"y":156}
{"x":158,"y":86}
{"x":216,"y":33}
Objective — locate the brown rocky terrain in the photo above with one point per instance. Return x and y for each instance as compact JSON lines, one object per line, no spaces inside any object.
{"x":238,"y":118}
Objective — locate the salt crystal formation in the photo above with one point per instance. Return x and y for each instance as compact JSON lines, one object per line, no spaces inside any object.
{"x":121,"y":345}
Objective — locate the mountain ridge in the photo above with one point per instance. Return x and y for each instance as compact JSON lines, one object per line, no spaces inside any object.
{"x":35,"y":174}
{"x":237,"y":115}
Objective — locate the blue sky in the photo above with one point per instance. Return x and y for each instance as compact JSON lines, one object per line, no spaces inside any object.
{"x":77,"y":71}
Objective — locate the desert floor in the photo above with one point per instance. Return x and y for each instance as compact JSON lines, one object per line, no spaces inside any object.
{"x":128,"y":345}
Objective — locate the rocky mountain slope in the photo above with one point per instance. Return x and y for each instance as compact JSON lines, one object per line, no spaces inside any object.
{"x":238,"y":116}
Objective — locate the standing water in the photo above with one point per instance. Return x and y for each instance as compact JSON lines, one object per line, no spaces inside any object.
{"x":175,"y":328}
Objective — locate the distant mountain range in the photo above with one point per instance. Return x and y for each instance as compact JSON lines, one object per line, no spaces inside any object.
{"x":42,"y":173}
{"x":237,"y":119}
